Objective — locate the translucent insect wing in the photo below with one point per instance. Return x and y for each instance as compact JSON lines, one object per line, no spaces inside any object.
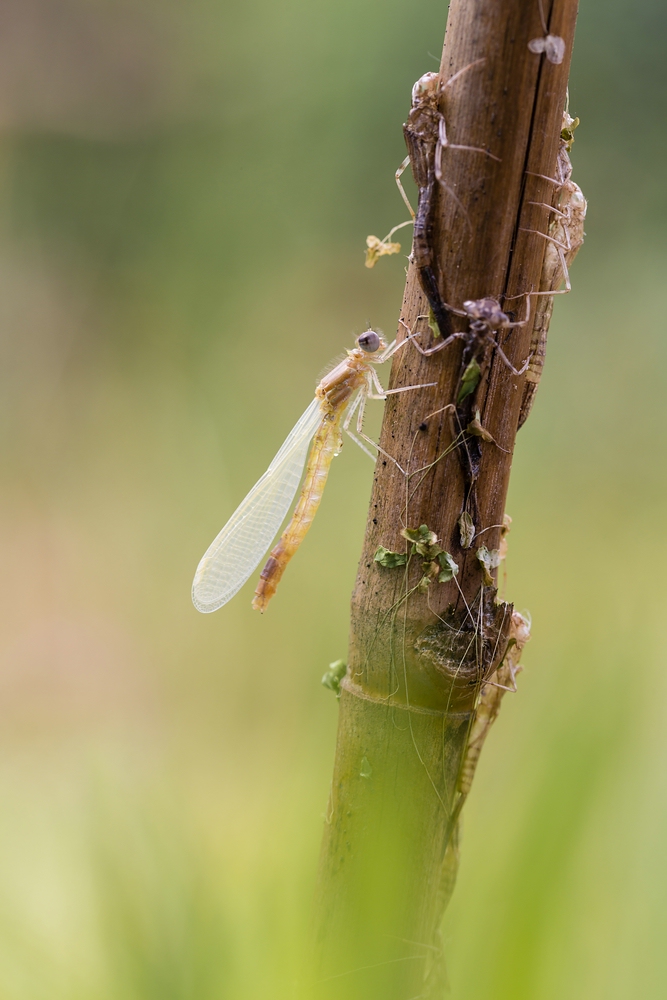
{"x":238,"y":548}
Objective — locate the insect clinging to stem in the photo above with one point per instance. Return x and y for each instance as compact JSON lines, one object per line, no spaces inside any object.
{"x":564,"y":237}
{"x":426,"y":138}
{"x":239,"y":547}
{"x":484,"y":316}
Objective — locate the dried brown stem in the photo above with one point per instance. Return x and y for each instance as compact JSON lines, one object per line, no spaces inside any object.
{"x":418,"y":658}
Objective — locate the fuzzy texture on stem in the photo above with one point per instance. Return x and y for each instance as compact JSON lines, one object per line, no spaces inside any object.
{"x":420,"y":649}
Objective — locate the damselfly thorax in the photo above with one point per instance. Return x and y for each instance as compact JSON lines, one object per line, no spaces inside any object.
{"x":338,"y":385}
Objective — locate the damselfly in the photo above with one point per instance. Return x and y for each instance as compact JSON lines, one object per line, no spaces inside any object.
{"x":239,"y":547}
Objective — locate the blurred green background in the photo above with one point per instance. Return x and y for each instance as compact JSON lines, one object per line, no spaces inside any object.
{"x":185,"y":194}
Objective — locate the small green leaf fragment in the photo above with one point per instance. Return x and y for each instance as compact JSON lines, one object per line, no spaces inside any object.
{"x":420,"y":535}
{"x":366,"y":769}
{"x":423,"y":539}
{"x":469,"y":380}
{"x":488,"y":559}
{"x":334,"y":675}
{"x":389,"y":559}
{"x":449,"y":567}
{"x":424,"y":584}
{"x":467,"y":529}
{"x":433,"y":324}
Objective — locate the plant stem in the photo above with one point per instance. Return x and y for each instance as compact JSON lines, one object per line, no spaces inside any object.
{"x":419,"y":655}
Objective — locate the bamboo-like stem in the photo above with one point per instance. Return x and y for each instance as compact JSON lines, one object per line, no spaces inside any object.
{"x":418,"y":656}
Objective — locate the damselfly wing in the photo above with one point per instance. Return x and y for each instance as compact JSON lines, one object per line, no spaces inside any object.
{"x":238,"y":549}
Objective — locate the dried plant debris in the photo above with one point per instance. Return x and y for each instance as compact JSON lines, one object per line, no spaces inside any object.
{"x":553,"y":47}
{"x":376,"y":248}
{"x":489,"y":559}
{"x":467,"y":529}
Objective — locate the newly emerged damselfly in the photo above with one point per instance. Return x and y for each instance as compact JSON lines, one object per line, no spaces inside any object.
{"x":239,"y":547}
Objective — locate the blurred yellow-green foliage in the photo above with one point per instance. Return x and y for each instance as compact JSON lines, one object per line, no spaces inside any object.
{"x":185,"y":194}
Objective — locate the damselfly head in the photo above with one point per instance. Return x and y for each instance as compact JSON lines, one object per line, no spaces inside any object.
{"x":426,"y":86}
{"x":369,"y":341}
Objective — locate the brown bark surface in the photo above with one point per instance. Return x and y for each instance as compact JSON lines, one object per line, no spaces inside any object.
{"x":511,"y":105}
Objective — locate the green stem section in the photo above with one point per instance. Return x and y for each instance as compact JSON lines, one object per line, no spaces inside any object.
{"x":389,"y":758}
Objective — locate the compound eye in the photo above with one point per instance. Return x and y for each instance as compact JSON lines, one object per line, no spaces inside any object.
{"x":369,"y":341}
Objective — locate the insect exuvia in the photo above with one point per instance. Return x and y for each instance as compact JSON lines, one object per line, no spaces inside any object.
{"x":484,"y":315}
{"x":426,"y":137}
{"x":488,"y":704}
{"x":564,"y":238}
{"x":238,"y":548}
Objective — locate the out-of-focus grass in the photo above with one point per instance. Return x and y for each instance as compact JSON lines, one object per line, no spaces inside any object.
{"x":186,"y":194}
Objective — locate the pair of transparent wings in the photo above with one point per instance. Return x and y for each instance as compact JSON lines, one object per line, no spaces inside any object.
{"x":237,"y":550}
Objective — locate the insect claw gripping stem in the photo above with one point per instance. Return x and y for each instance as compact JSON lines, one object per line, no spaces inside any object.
{"x":549,"y":208}
{"x":551,"y":239}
